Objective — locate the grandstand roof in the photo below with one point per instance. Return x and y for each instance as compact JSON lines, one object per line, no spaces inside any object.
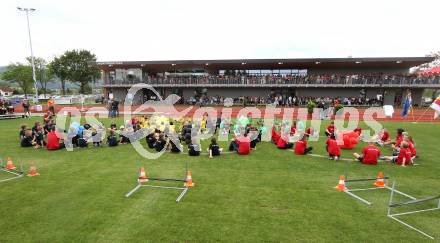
{"x":283,"y":63}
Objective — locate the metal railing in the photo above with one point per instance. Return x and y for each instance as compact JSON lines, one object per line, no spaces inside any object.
{"x":282,"y":81}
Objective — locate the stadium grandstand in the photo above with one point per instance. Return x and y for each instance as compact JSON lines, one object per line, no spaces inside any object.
{"x":354,"y":81}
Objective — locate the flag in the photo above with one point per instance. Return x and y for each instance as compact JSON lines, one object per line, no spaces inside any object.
{"x":388,"y":110}
{"x":406,"y":106}
{"x":436,"y":106}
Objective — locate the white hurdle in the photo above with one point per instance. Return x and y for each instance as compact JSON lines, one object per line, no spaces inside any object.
{"x":17,"y":173}
{"x":351,"y":193}
{"x":392,"y":205}
{"x":183,"y":189}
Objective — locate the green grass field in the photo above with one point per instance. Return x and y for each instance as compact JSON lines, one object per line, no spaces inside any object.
{"x":270,"y":195}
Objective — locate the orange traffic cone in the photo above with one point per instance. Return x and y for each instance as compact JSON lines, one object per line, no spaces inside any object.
{"x":142,"y":176}
{"x":341,"y":185}
{"x":189,"y":180}
{"x":10,"y":164}
{"x":33,"y":170}
{"x":380,"y":181}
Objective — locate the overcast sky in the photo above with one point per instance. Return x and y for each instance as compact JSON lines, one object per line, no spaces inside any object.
{"x":190,"y":29}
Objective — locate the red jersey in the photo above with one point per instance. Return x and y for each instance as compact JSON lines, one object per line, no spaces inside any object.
{"x":332,"y":147}
{"x":300,"y":147}
{"x":412,"y":149}
{"x":53,"y":142}
{"x":371,"y":154}
{"x":385,"y":136}
{"x":281,"y":143}
{"x":399,"y":140}
{"x":331,"y":128}
{"x":275,"y":135}
{"x":404,"y":153}
{"x":244,"y":145}
{"x":292,"y":130}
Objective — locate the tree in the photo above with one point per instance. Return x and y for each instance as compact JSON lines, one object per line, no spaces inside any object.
{"x":43,"y":74}
{"x":59,"y":68}
{"x":75,"y":66}
{"x":21,"y":74}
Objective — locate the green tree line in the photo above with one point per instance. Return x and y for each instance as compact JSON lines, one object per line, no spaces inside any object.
{"x":74,"y":66}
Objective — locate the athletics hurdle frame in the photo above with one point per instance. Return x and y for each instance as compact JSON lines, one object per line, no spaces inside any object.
{"x":17,"y":173}
{"x":386,"y":178}
{"x":392,"y":205}
{"x":183,"y":189}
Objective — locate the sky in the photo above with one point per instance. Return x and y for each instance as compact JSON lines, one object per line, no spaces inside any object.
{"x":131,"y":30}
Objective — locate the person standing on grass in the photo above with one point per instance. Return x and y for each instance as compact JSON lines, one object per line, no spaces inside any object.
{"x":369,"y":156}
{"x":115,"y":107}
{"x":26,"y":105}
{"x":51,"y":105}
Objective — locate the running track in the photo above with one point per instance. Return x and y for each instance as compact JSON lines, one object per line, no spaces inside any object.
{"x":420,"y":115}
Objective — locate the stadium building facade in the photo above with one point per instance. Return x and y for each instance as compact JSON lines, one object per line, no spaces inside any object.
{"x":386,"y":79}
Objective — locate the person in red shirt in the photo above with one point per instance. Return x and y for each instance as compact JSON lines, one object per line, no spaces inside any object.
{"x":53,"y":140}
{"x":241,"y":144}
{"x":301,"y":147}
{"x":384,"y":137}
{"x":309,"y":131}
{"x":330,"y":129}
{"x":370,"y":154}
{"x":411,"y":147}
{"x":404,"y":157}
{"x":399,"y":138}
{"x":275,"y":135}
{"x":334,"y":151}
{"x":293,"y":129}
{"x":358,"y":130}
{"x":283,"y":143}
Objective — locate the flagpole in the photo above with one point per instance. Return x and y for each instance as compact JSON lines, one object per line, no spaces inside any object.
{"x":418,"y":119}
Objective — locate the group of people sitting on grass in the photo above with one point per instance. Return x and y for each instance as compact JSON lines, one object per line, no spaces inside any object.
{"x":404,"y":151}
{"x":403,"y":147}
{"x":162,"y":134}
{"x":40,"y":136}
{"x":281,"y":135}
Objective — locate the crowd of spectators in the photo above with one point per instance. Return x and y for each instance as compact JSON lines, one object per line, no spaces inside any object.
{"x":288,"y":101}
{"x":338,"y":79}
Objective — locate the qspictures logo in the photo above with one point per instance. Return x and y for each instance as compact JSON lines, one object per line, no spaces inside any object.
{"x":206,"y":122}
